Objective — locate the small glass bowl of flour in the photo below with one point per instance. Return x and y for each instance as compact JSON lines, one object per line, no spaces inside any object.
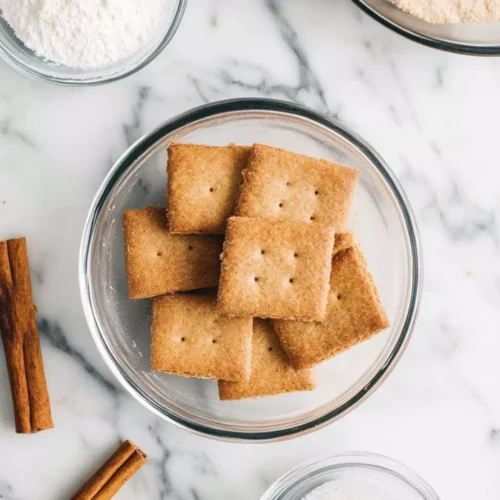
{"x":85,"y":41}
{"x":353,"y":476}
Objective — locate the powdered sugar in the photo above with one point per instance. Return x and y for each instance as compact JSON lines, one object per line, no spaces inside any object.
{"x":327,"y":491}
{"x":348,"y":490}
{"x":85,"y":33}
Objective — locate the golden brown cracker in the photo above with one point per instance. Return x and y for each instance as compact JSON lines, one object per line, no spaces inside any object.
{"x":282,"y":185}
{"x":190,"y":338}
{"x":354,"y":314}
{"x":159,"y":262}
{"x":271,"y":371}
{"x":343,"y":241}
{"x":203,"y":186}
{"x":275,"y":269}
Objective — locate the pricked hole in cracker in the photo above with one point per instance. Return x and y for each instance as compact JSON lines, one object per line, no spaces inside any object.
{"x":339,"y":296}
{"x":316,"y":192}
{"x":190,"y":247}
{"x":312,"y":217}
{"x":287,"y":183}
{"x":159,"y":253}
{"x":256,"y":278}
{"x":214,"y":341}
{"x":183,"y":339}
{"x":295,"y":254}
{"x":291,"y":280}
{"x":281,"y":204}
{"x":270,"y":349}
{"x":211,"y":189}
{"x":262,"y":252}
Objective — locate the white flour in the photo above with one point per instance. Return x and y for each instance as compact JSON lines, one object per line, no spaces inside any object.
{"x":451,"y":11}
{"x":84,"y":33}
{"x":347,"y":490}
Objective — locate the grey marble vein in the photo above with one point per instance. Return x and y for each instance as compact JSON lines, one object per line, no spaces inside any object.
{"x":404,"y":92}
{"x":165,"y":487}
{"x":9,"y":132}
{"x":203,"y":465}
{"x":307,"y":78}
{"x":55,"y":336}
{"x":194,"y":494}
{"x":6,"y":491}
{"x":133,"y":130}
{"x":201,"y":88}
{"x":494,"y":436}
{"x":474,"y":221}
{"x":439,"y":77}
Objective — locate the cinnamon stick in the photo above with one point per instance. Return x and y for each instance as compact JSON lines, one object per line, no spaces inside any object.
{"x":21,"y":341}
{"x":120,"y":467}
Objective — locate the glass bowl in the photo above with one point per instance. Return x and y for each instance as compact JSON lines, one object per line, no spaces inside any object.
{"x":358,"y":476}
{"x":382,"y":221}
{"x":13,"y":51}
{"x":463,"y":38}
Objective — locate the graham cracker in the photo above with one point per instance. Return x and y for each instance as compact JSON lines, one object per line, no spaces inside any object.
{"x":275,"y":269}
{"x":343,"y":241}
{"x":159,"y":262}
{"x":282,"y":185}
{"x":271,"y":371}
{"x":354,"y":312}
{"x":203,"y":186}
{"x":190,"y":338}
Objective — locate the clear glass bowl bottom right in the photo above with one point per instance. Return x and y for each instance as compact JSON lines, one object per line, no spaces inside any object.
{"x":353,"y":476}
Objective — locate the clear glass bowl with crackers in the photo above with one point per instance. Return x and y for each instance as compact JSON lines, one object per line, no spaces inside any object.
{"x":338,"y":324}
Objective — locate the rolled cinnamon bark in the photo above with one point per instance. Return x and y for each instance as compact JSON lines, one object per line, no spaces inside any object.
{"x":21,"y":341}
{"x":120,"y":467}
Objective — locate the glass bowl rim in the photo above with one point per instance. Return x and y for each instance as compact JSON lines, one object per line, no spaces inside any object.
{"x":211,"y":111}
{"x":429,"y":41}
{"x":22,"y":68}
{"x":353,"y":459}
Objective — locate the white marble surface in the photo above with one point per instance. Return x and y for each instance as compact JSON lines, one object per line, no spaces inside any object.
{"x":433,"y":116}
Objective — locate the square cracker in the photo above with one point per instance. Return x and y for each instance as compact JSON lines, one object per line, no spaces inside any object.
{"x":203,"y":186}
{"x":282,"y":185}
{"x":271,"y":371}
{"x":159,"y":262}
{"x":354,"y":311}
{"x":275,"y":269}
{"x":190,"y":338}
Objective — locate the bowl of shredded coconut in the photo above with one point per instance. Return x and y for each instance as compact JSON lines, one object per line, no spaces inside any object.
{"x":85,"y":41}
{"x":461,"y":26}
{"x":352,"y":476}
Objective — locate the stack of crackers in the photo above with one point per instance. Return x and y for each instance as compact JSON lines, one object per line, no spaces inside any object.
{"x":266,"y":228}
